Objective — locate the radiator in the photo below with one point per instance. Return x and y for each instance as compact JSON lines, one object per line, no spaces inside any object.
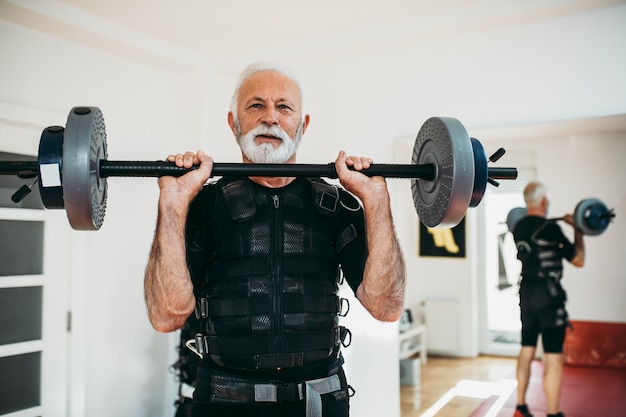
{"x":441,"y":317}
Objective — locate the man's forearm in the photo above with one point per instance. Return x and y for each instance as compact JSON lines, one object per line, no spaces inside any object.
{"x":579,"y":243}
{"x":382,"y":289}
{"x":167,"y":284}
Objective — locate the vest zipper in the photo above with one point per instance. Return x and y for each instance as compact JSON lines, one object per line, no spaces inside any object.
{"x":277,"y":299}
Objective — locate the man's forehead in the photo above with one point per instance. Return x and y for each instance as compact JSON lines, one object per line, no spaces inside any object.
{"x":269,"y":85}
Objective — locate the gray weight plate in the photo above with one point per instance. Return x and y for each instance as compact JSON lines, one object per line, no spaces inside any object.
{"x":442,"y":202}
{"x":591,"y":216}
{"x":84,"y":145}
{"x":514,"y":216}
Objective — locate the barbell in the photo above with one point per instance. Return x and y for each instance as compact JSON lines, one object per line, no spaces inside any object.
{"x":591,"y":216}
{"x":72,"y":170}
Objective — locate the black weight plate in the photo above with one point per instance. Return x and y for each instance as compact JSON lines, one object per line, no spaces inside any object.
{"x":591,"y":216}
{"x":84,"y":146}
{"x":50,"y":166}
{"x":481,"y":173}
{"x":442,"y":202}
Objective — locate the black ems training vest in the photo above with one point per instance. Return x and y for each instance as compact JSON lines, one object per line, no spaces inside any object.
{"x":540,"y":246}
{"x":269,"y":295}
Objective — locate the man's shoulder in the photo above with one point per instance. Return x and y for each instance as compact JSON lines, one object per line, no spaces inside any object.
{"x":530,"y":224}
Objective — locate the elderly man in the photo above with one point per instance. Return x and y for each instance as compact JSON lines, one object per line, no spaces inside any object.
{"x":260,"y":260}
{"x":541,"y":247}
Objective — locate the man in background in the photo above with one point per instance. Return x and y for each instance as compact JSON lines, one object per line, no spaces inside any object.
{"x":541,"y":247}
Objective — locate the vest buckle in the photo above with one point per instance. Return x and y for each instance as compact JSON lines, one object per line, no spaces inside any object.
{"x":202,"y":308}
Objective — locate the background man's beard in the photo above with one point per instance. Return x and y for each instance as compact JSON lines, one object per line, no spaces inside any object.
{"x":266,"y":153}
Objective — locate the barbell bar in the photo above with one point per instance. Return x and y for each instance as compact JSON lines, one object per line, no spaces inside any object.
{"x":448,"y":170}
{"x":591,"y":216}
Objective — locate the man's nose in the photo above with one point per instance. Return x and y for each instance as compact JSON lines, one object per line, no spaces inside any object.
{"x":270,"y":116}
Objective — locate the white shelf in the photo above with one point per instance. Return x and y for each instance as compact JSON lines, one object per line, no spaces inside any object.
{"x":413,"y":341}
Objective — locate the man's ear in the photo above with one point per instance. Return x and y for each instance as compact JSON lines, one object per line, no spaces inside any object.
{"x":307,"y":119}
{"x":231,"y":121}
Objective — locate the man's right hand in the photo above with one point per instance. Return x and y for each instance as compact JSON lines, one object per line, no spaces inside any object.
{"x":184,"y":188}
{"x":569,"y":219}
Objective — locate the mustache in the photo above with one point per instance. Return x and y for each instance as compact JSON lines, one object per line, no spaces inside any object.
{"x":266,"y":152}
{"x":273,"y":131}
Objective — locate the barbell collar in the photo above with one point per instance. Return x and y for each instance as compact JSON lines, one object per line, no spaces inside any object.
{"x":501,"y":173}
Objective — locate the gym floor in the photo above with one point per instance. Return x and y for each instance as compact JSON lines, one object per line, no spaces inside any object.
{"x":440,"y":375}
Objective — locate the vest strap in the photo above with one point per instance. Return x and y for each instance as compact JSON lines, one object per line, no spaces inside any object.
{"x":229,"y":389}
{"x":326,"y":196}
{"x":292,"y":303}
{"x":262,"y":344}
{"x":240,"y":200}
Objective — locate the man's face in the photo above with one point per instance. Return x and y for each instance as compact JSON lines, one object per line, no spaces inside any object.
{"x":270,"y":123}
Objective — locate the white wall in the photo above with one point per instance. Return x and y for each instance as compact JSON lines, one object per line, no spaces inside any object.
{"x":117,"y":360}
{"x":554,"y":69}
{"x":363,"y":101}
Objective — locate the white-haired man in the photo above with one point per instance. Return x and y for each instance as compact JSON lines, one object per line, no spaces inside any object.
{"x":260,"y":260}
{"x":541,"y":246}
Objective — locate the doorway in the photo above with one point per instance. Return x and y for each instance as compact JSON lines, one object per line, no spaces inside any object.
{"x":500,"y":315}
{"x":34,"y":313}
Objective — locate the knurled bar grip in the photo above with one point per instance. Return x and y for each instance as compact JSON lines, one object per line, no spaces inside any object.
{"x":163,"y":168}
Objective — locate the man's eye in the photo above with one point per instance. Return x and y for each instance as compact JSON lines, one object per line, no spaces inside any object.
{"x":284,"y":107}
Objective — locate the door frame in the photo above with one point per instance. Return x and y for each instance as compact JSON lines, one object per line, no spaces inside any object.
{"x":20,"y":130}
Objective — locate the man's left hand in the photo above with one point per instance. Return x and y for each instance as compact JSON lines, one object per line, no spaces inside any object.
{"x":352,"y":180}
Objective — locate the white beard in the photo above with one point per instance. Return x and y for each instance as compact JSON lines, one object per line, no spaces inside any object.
{"x":266,"y":153}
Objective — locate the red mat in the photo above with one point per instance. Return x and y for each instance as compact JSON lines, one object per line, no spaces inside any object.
{"x":587,"y":392}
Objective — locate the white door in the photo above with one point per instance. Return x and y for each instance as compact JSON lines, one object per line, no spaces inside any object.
{"x":34,"y":286}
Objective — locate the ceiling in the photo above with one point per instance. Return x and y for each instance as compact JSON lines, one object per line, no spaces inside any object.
{"x":188,"y":33}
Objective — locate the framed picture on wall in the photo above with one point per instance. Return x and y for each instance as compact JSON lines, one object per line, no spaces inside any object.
{"x":449,"y":243}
